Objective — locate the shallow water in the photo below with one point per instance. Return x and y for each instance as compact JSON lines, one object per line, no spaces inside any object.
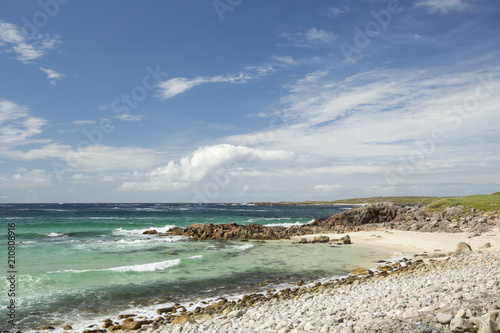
{"x":79,"y":262}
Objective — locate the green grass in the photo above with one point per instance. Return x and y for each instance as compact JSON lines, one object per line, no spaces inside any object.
{"x":487,"y":203}
{"x":397,"y":200}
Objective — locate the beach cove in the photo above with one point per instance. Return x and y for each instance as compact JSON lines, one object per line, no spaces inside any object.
{"x":351,"y":298}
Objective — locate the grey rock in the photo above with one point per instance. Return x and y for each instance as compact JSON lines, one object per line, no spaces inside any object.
{"x":487,"y":325}
{"x":444,"y":318}
{"x":460,"y":325}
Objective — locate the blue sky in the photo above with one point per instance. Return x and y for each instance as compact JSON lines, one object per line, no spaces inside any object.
{"x":238,"y":100}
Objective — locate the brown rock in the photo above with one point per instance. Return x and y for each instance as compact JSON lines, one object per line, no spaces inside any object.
{"x":150,"y":232}
{"x":124,"y":316}
{"x":321,"y":239}
{"x":107,"y":324}
{"x":182,"y":320}
{"x":171,"y":309}
{"x":300,"y":283}
{"x":361,"y":271}
{"x":384,"y":268}
{"x":485,"y":246}
{"x":67,"y":327}
{"x":346,"y":240}
{"x":114,"y":328}
{"x":134,"y":325}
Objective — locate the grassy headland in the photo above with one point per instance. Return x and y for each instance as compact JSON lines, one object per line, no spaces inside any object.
{"x":483,"y":202}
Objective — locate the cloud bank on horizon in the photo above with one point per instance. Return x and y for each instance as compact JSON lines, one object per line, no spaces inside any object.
{"x":282,"y":101}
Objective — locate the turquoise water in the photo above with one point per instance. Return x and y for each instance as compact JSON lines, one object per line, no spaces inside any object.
{"x":79,"y":262}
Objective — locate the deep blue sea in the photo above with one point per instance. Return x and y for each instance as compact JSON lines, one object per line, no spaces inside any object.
{"x":78,"y":264}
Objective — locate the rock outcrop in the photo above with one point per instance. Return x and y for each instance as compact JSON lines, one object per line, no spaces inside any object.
{"x":369,"y":217}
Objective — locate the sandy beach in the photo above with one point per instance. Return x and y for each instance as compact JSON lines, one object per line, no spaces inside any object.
{"x":411,"y":242}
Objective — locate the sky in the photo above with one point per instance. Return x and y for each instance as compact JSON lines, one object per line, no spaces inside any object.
{"x":240,"y":101}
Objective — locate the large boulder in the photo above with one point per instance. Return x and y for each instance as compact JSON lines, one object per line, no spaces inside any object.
{"x":453,"y":211}
{"x":463,"y":248}
{"x":321,"y":239}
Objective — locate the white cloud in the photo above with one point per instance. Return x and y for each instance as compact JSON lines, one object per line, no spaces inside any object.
{"x":17,"y":125}
{"x":326,"y":188}
{"x":202,"y":162}
{"x":84,"y":122}
{"x":284,"y":59}
{"x":367,"y":123}
{"x":312,"y":38}
{"x":336,"y":11}
{"x":129,"y":117}
{"x":52,"y":75}
{"x":443,"y":6}
{"x":26,"y":49}
{"x":24,"y":178}
{"x":173,"y":87}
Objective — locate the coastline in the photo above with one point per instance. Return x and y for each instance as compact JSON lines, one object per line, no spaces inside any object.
{"x":232,"y":314}
{"x":384,"y":227}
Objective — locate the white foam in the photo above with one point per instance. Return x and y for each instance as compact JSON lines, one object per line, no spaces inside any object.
{"x":121,"y":231}
{"x":54,"y":234}
{"x":283,"y":224}
{"x":196,"y":257}
{"x":156,"y":266}
{"x":243,"y":247}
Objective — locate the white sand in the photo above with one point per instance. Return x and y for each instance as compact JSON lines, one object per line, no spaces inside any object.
{"x":412,"y":242}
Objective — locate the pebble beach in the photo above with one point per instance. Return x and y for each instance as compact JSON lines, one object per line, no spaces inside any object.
{"x":457,"y":291}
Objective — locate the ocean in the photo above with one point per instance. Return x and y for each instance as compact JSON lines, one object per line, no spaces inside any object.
{"x":79,"y":264}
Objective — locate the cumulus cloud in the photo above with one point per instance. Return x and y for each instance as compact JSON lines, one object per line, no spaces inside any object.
{"x":202,"y":162}
{"x":52,"y":75}
{"x":24,"y":178}
{"x":25,"y":49}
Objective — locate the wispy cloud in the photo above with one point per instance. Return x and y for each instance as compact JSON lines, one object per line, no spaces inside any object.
{"x":336,"y":11}
{"x":202,"y":162}
{"x":84,"y":122}
{"x":25,"y":49}
{"x":366,"y":122}
{"x":129,"y":117}
{"x":173,"y":87}
{"x":284,"y":59}
{"x":311,"y":38}
{"x":52,"y":75}
{"x":444,"y":6}
{"x":17,"y":125}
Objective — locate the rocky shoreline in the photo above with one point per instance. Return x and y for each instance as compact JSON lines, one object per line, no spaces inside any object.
{"x":379,"y":216}
{"x":456,"y":293}
{"x":438,"y":292}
